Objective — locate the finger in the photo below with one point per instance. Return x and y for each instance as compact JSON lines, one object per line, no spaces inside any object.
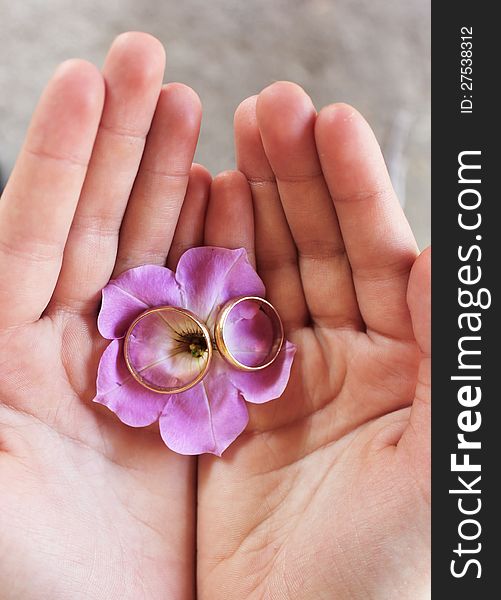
{"x":276,"y":255}
{"x":419,"y":300}
{"x":191,"y":223}
{"x":230,"y":219}
{"x":155,"y":203}
{"x":286,"y":118}
{"x":378,"y":240}
{"x":39,"y":201}
{"x":416,"y":438}
{"x":133,"y":74}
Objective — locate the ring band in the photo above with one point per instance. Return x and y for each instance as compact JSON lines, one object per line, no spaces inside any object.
{"x":194,"y":338}
{"x":277,"y":326}
{"x":195,"y":322}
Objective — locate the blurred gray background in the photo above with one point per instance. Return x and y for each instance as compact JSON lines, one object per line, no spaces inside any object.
{"x":374,"y":54}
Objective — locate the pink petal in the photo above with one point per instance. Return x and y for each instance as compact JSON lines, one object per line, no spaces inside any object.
{"x":206,"y":418}
{"x":209,"y":277}
{"x":133,"y":292}
{"x":250,"y":337}
{"x":116,"y":388}
{"x":270,"y":383}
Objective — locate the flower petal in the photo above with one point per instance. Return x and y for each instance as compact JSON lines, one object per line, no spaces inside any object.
{"x":117,"y":389}
{"x":209,"y":277}
{"x":206,"y":418}
{"x":133,"y":292}
{"x":250,"y":336}
{"x":270,"y":383}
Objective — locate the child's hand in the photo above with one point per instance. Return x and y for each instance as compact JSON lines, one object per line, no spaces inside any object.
{"x":90,"y":508}
{"x":327,"y":493}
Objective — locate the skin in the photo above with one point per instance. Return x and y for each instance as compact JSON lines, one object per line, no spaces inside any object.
{"x":326,"y":495}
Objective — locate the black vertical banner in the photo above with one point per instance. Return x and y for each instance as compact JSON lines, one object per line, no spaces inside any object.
{"x":466,"y":429}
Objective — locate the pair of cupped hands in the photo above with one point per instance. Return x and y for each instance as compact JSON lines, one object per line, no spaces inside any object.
{"x":326,"y":494}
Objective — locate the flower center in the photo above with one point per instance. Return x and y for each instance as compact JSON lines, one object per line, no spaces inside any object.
{"x":195,"y":344}
{"x":188,"y":338}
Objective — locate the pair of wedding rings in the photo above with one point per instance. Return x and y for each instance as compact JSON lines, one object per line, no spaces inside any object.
{"x":202,"y":345}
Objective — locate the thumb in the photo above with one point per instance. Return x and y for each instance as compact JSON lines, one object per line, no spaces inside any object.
{"x":416,"y":437}
{"x":419,"y":300}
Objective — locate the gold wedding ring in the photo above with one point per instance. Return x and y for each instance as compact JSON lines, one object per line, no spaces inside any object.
{"x":184,"y":333}
{"x":168,"y":350}
{"x":277,"y":332}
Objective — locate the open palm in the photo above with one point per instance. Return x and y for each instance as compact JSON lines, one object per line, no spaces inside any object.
{"x":326,"y":493}
{"x":91,"y":508}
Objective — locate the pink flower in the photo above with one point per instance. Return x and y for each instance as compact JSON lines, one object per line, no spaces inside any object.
{"x":209,"y":416}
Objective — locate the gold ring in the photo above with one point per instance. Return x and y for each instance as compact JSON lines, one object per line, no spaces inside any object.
{"x":277,"y":326}
{"x":198,"y":330}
